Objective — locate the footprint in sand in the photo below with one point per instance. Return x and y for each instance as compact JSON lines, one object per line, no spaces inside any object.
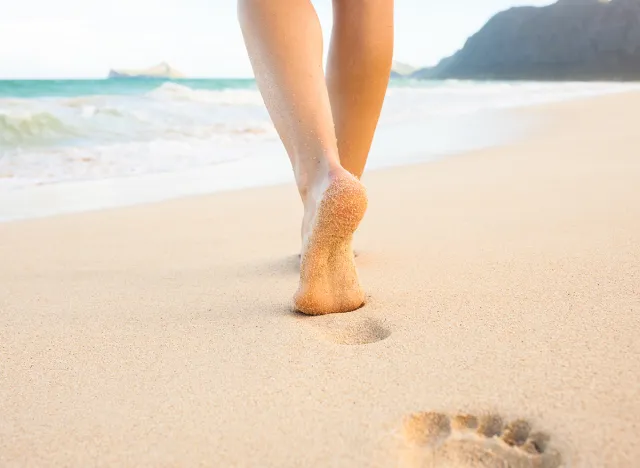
{"x":350,"y":329}
{"x":437,"y":441}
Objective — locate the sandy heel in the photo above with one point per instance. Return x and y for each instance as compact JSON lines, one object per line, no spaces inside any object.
{"x":328,"y":279}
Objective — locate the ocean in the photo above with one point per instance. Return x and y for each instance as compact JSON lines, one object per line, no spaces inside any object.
{"x":61,"y":132}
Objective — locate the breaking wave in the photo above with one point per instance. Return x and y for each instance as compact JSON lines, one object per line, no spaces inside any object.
{"x":95,"y":133}
{"x":170,"y":111}
{"x":227,"y":97}
{"x":24,"y":128}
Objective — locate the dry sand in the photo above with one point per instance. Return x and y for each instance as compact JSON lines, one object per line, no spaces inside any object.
{"x":507,"y":280}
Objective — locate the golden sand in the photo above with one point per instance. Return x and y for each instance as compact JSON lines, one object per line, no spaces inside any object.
{"x":501,"y":282}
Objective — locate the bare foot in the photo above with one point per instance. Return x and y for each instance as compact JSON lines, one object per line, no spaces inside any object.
{"x":328,"y":278}
{"x":466,"y":441}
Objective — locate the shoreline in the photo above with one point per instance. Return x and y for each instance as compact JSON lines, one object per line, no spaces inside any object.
{"x":504,"y":280}
{"x":447,"y":135}
{"x":268,"y":167}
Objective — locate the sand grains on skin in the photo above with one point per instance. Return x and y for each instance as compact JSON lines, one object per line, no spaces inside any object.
{"x":436,"y":440}
{"x":328,"y":278}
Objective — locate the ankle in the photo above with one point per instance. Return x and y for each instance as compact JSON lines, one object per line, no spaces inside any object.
{"x":315,"y":174}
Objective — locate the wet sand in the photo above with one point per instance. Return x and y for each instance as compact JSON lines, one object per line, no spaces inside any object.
{"x":502,"y":281}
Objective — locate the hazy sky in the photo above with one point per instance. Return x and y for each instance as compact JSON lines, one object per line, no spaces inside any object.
{"x":201,"y":38}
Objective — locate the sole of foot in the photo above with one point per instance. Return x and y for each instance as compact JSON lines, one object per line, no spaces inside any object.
{"x":467,"y":441}
{"x":328,"y":278}
{"x":355,"y":254}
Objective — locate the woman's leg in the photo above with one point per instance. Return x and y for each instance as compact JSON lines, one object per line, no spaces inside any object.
{"x":358,"y":73}
{"x":284,"y":41}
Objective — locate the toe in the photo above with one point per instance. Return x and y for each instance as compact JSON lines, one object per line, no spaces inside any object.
{"x":427,"y":429}
{"x":536,"y":443}
{"x":490,"y":425}
{"x":517,"y":432}
{"x":462,"y":422}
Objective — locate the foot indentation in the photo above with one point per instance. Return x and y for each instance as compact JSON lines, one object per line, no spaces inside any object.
{"x":464,"y":441}
{"x":517,"y":432}
{"x":536,"y":443}
{"x":464,"y":421}
{"x":351,"y":329}
{"x":490,"y":425}
{"x":361,"y":332}
{"x":427,"y":428}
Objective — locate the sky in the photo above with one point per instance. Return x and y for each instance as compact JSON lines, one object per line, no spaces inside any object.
{"x":201,"y":38}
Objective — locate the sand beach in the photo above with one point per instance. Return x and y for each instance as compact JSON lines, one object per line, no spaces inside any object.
{"x":504,"y":281}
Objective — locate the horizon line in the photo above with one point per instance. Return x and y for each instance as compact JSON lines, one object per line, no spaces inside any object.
{"x":104,"y":78}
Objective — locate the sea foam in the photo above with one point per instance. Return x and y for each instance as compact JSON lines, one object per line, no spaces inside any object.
{"x":114,"y":129}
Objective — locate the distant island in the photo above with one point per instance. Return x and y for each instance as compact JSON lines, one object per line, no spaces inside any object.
{"x":569,"y":40}
{"x":162,"y":70}
{"x":401,"y":70}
